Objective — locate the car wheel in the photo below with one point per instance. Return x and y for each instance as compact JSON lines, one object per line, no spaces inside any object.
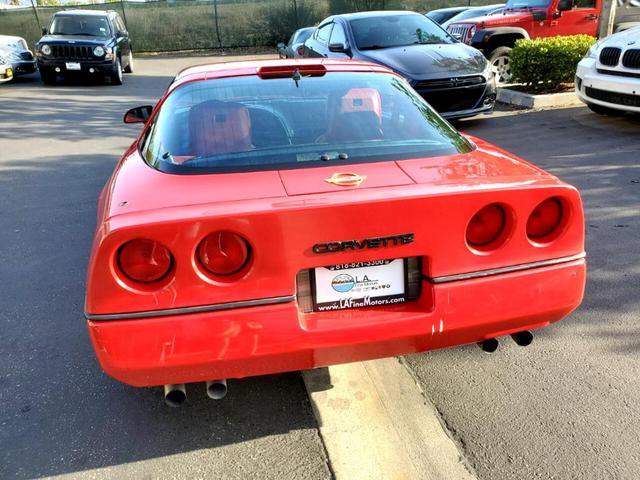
{"x":600,"y":110}
{"x":116,"y":75}
{"x":129,"y":67}
{"x":501,"y":64}
{"x":47,"y":76}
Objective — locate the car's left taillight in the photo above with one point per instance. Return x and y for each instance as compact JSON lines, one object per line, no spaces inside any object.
{"x":144,"y":261}
{"x":300,"y":50}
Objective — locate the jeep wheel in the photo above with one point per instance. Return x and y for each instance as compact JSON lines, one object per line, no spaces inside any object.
{"x":129,"y":67}
{"x":116,"y":75}
{"x":600,"y":110}
{"x":501,"y":64}
{"x":48,"y":77}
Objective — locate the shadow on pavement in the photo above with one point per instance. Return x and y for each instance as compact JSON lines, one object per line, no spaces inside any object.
{"x":60,"y":413}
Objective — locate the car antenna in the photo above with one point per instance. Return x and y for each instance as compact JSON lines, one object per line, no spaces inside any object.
{"x":296,"y":76}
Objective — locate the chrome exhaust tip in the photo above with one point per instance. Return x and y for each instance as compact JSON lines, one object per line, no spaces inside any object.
{"x":216,"y":389}
{"x":490,"y":345}
{"x":175,"y":394}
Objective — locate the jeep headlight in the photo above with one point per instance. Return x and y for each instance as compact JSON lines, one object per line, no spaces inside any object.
{"x":46,"y":49}
{"x":98,"y":51}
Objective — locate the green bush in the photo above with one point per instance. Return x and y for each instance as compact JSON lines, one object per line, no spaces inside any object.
{"x":544,"y":63}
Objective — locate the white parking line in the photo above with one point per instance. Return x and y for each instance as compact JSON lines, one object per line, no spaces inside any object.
{"x":376,"y":424}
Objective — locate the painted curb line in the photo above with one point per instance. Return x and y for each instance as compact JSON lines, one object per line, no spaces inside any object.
{"x":376,"y":424}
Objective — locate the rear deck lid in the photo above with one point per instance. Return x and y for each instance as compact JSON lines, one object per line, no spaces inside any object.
{"x":339,"y":177}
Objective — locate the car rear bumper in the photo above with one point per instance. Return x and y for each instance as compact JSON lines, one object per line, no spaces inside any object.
{"x":267,"y":339}
{"x":606,"y":89}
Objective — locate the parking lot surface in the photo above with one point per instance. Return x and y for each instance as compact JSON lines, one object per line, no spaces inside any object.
{"x":566,"y":407}
{"x":60,"y":414}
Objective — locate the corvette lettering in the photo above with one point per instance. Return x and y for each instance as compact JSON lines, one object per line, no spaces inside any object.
{"x":374,"y":242}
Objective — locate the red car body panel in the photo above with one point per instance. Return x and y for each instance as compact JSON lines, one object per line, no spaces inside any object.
{"x":283,"y":214}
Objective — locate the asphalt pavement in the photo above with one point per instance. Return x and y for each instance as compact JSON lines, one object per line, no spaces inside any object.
{"x":59,"y":414}
{"x":567,"y":407}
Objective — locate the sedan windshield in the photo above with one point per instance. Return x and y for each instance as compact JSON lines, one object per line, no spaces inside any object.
{"x":248,"y":123}
{"x":387,"y":31}
{"x":92,"y":26}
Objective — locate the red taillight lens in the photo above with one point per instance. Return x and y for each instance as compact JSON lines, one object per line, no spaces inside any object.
{"x":223,"y":253}
{"x":300,"y":50}
{"x":486,"y":226}
{"x":545,"y":218}
{"x":144,"y":260}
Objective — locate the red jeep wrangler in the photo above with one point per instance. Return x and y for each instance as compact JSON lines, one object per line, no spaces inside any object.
{"x":495,"y":35}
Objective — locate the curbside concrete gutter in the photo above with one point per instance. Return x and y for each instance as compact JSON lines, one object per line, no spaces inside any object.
{"x":376,"y":424}
{"x":528,"y":100}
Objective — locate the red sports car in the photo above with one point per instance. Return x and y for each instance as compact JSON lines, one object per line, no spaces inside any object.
{"x":284,"y":215}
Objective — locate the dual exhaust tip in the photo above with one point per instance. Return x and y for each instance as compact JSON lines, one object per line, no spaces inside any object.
{"x":523,"y":338}
{"x":175,"y":395}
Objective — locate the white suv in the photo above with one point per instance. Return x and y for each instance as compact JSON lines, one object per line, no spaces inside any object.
{"x":608,"y":77}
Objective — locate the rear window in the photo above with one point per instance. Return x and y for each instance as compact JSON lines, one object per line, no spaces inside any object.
{"x":248,"y":124}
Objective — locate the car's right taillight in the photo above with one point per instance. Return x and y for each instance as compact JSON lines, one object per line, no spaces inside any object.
{"x":223,"y":253}
{"x":144,"y":261}
{"x":300,"y":50}
{"x":545,"y":219}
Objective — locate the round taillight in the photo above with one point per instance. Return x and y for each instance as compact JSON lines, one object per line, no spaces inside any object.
{"x":223,"y":253}
{"x":144,"y":260}
{"x":486,"y":226}
{"x":300,"y":50}
{"x":544,"y":219}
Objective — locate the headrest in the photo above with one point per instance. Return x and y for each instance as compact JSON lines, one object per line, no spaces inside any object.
{"x":362,"y":100}
{"x":219,"y":127}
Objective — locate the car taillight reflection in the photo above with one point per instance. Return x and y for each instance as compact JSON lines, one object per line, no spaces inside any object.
{"x":144,"y":261}
{"x":223,"y":253}
{"x":545,"y":219}
{"x":486,"y":226}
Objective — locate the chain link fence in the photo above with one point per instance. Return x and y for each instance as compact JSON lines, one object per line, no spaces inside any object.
{"x":174,"y":25}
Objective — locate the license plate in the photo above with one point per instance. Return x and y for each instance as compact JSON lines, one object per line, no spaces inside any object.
{"x":73,"y":66}
{"x":359,"y":284}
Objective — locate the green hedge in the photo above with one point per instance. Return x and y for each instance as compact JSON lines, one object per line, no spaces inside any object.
{"x":544,"y":63}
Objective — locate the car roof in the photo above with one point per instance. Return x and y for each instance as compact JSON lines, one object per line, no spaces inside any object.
{"x":10,"y":37}
{"x":93,"y":13}
{"x":376,"y":13}
{"x":250,"y":67}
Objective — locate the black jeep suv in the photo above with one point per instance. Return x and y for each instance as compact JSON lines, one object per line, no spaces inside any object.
{"x":87,"y":42}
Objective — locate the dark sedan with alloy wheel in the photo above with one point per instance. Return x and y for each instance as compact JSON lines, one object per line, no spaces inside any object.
{"x":454,"y":78}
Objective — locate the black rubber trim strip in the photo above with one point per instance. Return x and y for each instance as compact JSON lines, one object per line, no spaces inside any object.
{"x":187,"y":310}
{"x":498,"y":271}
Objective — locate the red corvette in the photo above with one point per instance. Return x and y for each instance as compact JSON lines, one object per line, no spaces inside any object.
{"x":284,"y":215}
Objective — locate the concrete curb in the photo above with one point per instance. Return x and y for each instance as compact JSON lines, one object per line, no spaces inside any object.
{"x":376,"y":424}
{"x":548,"y":100}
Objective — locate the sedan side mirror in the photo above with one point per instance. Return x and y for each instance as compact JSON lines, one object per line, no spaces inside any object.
{"x":280,"y":46}
{"x":564,"y":5}
{"x":138,"y":114}
{"x":338,"y":48}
